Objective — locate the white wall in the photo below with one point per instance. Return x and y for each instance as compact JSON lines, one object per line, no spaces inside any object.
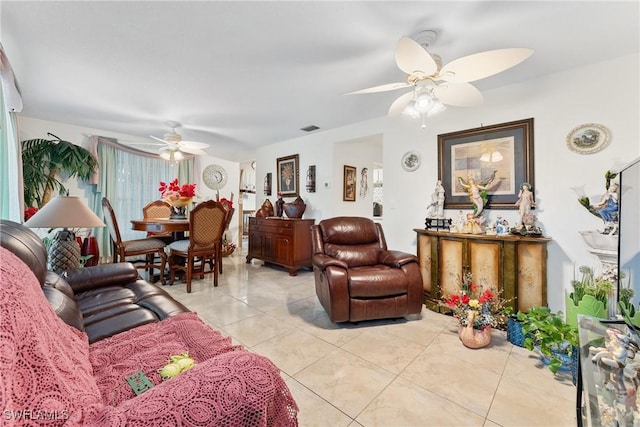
{"x":606,"y":93}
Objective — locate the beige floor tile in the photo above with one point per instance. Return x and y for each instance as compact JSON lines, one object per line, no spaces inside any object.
{"x":256,"y":329}
{"x":294,"y":350}
{"x":450,"y":370}
{"x":518,"y":404}
{"x":344,"y":380}
{"x":405,"y":404}
{"x":314,"y":410}
{"x":382,"y":348}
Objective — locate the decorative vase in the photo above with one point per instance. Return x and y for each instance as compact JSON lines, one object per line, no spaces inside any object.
{"x":179,"y":207}
{"x":295,"y":209}
{"x":90,"y":247}
{"x":474,"y":338}
{"x":279,"y":204}
{"x":268,"y":207}
{"x":588,"y":305}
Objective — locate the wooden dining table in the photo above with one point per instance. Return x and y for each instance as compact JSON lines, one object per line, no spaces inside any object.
{"x":160,"y":225}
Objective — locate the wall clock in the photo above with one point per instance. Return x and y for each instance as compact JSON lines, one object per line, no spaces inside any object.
{"x":214,"y":177}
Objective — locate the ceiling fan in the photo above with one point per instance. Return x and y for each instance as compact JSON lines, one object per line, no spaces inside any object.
{"x":174,"y":145}
{"x":434,"y":84}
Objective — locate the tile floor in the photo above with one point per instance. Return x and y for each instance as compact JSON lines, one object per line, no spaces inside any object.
{"x":406,"y":372}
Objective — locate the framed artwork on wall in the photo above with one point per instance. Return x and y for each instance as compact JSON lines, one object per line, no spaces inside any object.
{"x":288,"y":175}
{"x":497,"y":157}
{"x":349,"y":188}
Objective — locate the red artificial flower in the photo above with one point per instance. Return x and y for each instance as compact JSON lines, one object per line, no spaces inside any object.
{"x":453,"y":300}
{"x":174,"y":189}
{"x":29,"y":212}
{"x":473,"y":287}
{"x":465,"y":299}
{"x":487,"y":296}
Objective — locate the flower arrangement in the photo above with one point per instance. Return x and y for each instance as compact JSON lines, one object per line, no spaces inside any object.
{"x":226,"y":203}
{"x":227,"y":246}
{"x":489,"y":308}
{"x":174,"y":190}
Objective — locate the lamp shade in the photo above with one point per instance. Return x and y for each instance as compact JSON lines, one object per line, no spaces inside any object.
{"x":64,"y":212}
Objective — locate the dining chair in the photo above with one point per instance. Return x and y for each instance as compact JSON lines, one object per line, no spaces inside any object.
{"x":206,"y":225}
{"x":158,"y":209}
{"x":123,"y":249}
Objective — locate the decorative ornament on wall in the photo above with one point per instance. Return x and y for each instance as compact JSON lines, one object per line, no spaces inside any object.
{"x":410,"y":161}
{"x":588,"y":138}
{"x":214,"y":177}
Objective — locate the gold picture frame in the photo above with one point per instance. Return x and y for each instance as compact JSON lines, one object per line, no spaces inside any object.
{"x":506,"y":148}
{"x":288,"y":175}
{"x":349,"y":184}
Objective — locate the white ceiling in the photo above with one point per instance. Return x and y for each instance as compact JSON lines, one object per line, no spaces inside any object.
{"x":238,"y":75}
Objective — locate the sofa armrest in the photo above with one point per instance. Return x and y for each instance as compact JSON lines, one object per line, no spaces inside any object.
{"x":84,"y":279}
{"x":323,"y":261}
{"x":396,"y":259}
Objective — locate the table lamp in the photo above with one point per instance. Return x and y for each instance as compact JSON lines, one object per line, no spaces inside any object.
{"x":64,"y":212}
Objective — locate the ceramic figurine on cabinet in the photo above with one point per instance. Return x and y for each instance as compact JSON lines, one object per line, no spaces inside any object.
{"x":477,"y":192}
{"x":525,"y":202}
{"x":437,"y":201}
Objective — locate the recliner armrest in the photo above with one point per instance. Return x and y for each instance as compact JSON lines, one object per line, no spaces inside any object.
{"x":323,"y":261}
{"x":84,"y":279}
{"x":396,"y":259}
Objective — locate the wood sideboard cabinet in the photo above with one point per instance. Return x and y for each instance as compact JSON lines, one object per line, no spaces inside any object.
{"x":513,"y":265}
{"x":282,"y":241}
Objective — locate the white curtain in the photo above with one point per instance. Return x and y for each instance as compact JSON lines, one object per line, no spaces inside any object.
{"x":11,"y":196}
{"x":130,"y":179}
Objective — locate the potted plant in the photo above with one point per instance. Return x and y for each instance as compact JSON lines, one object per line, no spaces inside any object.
{"x":590,"y":295}
{"x":548,"y":334}
{"x":43,"y":160}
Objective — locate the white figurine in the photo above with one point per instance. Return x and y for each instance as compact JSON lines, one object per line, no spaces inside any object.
{"x":437,"y":201}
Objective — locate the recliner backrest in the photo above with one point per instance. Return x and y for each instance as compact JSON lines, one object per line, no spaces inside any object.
{"x":357,"y":241}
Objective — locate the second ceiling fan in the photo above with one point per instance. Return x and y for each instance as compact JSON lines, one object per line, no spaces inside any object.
{"x":174,"y":143}
{"x":434,"y":84}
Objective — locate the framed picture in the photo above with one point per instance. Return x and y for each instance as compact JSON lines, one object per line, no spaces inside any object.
{"x":288,"y":175}
{"x":588,"y":138}
{"x":497,"y":158}
{"x":349,"y":189}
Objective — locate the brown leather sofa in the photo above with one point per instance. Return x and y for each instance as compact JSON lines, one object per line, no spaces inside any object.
{"x":103,"y":300}
{"x":357,"y":278}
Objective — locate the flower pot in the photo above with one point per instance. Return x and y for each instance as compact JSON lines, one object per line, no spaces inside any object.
{"x":514,"y":331}
{"x":90,"y":247}
{"x":588,"y":305}
{"x":474,"y":338}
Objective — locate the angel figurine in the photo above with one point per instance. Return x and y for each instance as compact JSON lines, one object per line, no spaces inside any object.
{"x":477,"y":191}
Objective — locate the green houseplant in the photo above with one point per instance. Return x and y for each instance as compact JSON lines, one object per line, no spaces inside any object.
{"x":42,"y":162}
{"x":548,"y":333}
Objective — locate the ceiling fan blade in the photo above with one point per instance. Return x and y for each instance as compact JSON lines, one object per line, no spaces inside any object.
{"x":381,"y":88}
{"x":412,"y":57}
{"x":458,"y":94}
{"x":483,"y":64}
{"x":398,"y":105}
{"x":192,"y":144}
{"x":159,"y":139}
{"x":193,"y":150}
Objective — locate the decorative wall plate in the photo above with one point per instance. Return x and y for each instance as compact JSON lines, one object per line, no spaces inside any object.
{"x":214,"y":177}
{"x":588,"y":138}
{"x":410,"y":161}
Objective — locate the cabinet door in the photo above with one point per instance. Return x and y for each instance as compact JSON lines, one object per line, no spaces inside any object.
{"x":256,"y":244}
{"x":450,"y":266}
{"x":283,"y":249}
{"x":484,"y":261}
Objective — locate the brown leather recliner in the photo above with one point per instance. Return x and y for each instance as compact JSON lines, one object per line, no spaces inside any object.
{"x":357,"y":278}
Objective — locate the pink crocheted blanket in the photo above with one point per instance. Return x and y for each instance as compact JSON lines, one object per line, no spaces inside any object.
{"x":50,"y":375}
